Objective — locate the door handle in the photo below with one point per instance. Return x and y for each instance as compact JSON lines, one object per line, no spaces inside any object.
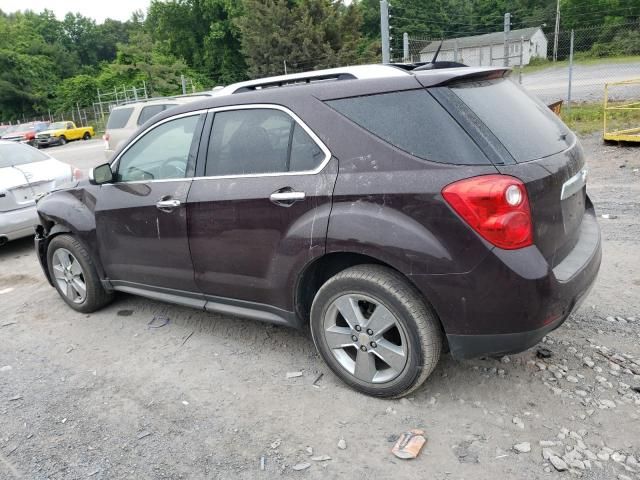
{"x":286,"y":198}
{"x":168,"y":205}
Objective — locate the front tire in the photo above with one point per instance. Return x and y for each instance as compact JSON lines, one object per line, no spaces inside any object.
{"x":74,"y":275}
{"x":375,"y":332}
{"x":63,"y":140}
{"x":86,"y":136}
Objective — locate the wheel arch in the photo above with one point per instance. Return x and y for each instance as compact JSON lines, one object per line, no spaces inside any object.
{"x":322,"y":268}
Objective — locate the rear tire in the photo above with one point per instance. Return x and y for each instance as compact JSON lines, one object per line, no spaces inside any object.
{"x":74,"y":275}
{"x":387,"y":341}
{"x":86,"y":136}
{"x":63,"y":140}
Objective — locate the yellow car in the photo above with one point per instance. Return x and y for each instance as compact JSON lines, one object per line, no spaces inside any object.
{"x":59,"y":133}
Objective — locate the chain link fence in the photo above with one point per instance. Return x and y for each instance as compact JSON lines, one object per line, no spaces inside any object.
{"x":586,"y":59}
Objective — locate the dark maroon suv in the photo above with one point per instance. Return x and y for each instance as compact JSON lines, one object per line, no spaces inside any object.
{"x":395,"y":211}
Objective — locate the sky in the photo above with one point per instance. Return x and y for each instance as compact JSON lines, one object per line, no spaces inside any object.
{"x":96,"y":9}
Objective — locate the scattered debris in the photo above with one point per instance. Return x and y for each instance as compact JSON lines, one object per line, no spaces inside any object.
{"x":158,"y":321}
{"x":301,"y":466}
{"x":262,"y":463}
{"x":91,"y":474}
{"x":8,"y":323}
{"x":518,"y":423}
{"x":276,"y":443}
{"x":70,"y":349}
{"x":64,"y":420}
{"x":321,"y":458}
{"x":143,"y":434}
{"x":543,"y":353}
{"x":187,"y":338}
{"x":609,"y":216}
{"x":559,"y":464}
{"x":6,"y":290}
{"x":15,"y":397}
{"x":184,"y":402}
{"x":318,"y":378}
{"x":309,"y":450}
{"x":524,"y":447}
{"x":342,"y":444}
{"x":409,"y":444}
{"x":6,"y":368}
{"x":125,"y":313}
{"x":294,"y":374}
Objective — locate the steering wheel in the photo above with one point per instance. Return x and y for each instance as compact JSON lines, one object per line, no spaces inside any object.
{"x":175,"y":168}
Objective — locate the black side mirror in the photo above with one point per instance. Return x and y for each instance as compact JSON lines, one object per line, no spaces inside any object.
{"x":101,"y":174}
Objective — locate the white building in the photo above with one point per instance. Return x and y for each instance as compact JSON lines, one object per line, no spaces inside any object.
{"x":488,"y":49}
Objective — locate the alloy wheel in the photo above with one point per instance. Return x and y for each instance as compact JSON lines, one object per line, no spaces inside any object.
{"x":69,"y":275}
{"x":365,"y":338}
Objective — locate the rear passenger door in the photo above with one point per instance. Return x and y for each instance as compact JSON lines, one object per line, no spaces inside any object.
{"x":259,"y":209}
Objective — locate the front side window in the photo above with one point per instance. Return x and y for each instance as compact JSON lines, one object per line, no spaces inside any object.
{"x":256,"y":141}
{"x":162,"y":153}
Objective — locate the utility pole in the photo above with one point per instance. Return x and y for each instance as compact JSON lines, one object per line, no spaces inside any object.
{"x":570,"y":73}
{"x":507,"y":29}
{"x":285,"y":66}
{"x":556,"y":32}
{"x":184,"y":84}
{"x":405,"y":47}
{"x":384,"y":30}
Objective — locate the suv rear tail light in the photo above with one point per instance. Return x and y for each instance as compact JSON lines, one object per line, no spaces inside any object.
{"x":496,"y":207}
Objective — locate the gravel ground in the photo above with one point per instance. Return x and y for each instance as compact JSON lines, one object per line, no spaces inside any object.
{"x":106,"y":396}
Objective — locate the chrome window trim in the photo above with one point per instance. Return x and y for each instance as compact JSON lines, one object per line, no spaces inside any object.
{"x":252,"y":106}
{"x":114,"y":164}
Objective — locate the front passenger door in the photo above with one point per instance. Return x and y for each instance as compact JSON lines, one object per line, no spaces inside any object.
{"x":141,"y":220}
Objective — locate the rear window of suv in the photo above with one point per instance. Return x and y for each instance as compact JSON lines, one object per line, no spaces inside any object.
{"x":415,"y":122}
{"x":119,"y":117}
{"x":527,"y":128}
{"x":150,"y":110}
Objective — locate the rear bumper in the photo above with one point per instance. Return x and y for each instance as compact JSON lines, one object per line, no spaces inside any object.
{"x":18,"y":223}
{"x":513,"y":298}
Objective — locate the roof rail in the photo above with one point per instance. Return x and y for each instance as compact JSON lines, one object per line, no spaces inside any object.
{"x":206,"y":93}
{"x":331,"y":74}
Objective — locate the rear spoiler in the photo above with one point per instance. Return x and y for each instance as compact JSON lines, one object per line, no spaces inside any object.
{"x":447,"y":76}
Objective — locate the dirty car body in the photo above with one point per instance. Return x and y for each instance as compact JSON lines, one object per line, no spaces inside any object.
{"x":418,"y":175}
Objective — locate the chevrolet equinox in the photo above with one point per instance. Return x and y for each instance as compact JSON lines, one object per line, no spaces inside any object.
{"x":398,"y":211}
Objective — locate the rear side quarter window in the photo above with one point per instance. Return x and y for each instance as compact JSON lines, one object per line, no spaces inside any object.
{"x":119,"y":117}
{"x":150,"y":110}
{"x":415,"y":122}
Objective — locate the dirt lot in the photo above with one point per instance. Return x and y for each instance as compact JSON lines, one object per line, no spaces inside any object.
{"x":107,"y":396}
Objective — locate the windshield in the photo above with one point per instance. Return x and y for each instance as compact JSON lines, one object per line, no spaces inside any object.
{"x":18,"y":154}
{"x":58,"y":126}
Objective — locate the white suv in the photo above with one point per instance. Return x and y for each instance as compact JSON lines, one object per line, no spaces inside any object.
{"x":126,"y":118}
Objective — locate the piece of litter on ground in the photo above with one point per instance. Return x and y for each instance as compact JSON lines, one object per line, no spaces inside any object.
{"x":184,"y":402}
{"x":64,"y":420}
{"x":15,"y":397}
{"x":301,"y":466}
{"x":70,"y":349}
{"x":158,"y":321}
{"x":262,"y":463}
{"x":93,"y":473}
{"x":318,"y":378}
{"x":321,"y":458}
{"x":606,"y":216}
{"x":543,"y":353}
{"x":125,"y":313}
{"x":144,"y":434}
{"x":309,"y":450}
{"x":8,"y":323}
{"x":342,"y":444}
{"x":294,"y":374}
{"x":6,"y":290}
{"x":6,"y":368}
{"x":409,"y":444}
{"x":276,"y":443}
{"x":187,"y":338}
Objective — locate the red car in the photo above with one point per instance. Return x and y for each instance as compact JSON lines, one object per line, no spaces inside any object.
{"x":25,"y":132}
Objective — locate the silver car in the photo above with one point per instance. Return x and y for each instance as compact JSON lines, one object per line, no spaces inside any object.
{"x":25,"y":174}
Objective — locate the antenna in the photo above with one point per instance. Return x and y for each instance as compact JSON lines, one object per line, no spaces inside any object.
{"x":435,"y":55}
